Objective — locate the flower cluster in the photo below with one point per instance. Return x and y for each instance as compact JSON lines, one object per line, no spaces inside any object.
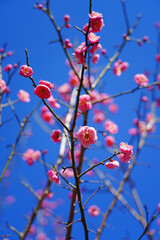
{"x":120,"y":67}
{"x":30,"y":156}
{"x":127,"y":151}
{"x":84,"y":103}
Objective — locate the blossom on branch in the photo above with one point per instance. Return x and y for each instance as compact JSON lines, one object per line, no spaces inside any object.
{"x":25,"y":71}
{"x":87,"y":136}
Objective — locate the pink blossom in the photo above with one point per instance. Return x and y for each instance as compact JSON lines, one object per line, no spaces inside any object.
{"x":111,"y":127}
{"x":95,"y":96}
{"x":64,"y":91}
{"x":8,"y":67}
{"x":107,"y":101}
{"x":144,"y":99}
{"x":23,"y":96}
{"x":92,"y":38}
{"x":32,"y":230}
{"x":46,"y":83}
{"x":10,"y":199}
{"x":30,"y":156}
{"x":74,"y":80}
{"x":42,"y":91}
{"x":132,"y":131}
{"x":127,"y":151}
{"x":110,"y":141}
{"x":56,"y":135}
{"x":68,"y":173}
{"x":98,"y":116}
{"x":103,"y":51}
{"x":112,"y":164}
{"x":15,"y":65}
{"x":52,"y":101}
{"x":113,"y":108}
{"x":40,"y":6}
{"x":68,"y":43}
{"x":66,"y":18}
{"x":47,"y":115}
{"x":3,"y":86}
{"x":53,"y":176}
{"x":95,"y":47}
{"x":95,"y":58}
{"x":120,"y":67}
{"x":25,"y":71}
{"x":80,"y":54}
{"x":141,"y":127}
{"x":96,"y":21}
{"x":158,"y":57}
{"x":84,"y":103}
{"x":94,"y":211}
{"x":141,"y":80}
{"x":87,"y":136}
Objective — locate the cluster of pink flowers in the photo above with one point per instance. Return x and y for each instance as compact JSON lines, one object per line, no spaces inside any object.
{"x":8,"y":67}
{"x":110,"y":141}
{"x":43,"y":90}
{"x":47,"y":115}
{"x":53,"y":176}
{"x":120,"y":67}
{"x":84,"y":103}
{"x":94,"y":211}
{"x":96,"y":21}
{"x":87,"y":136}
{"x":141,"y":79}
{"x":30,"y":156}
{"x":68,"y":44}
{"x":67,"y":21}
{"x":56,"y":136}
{"x":80,"y":54}
{"x":65,"y":91}
{"x":110,"y":126}
{"x":23,"y":96}
{"x":25,"y":71}
{"x":112,"y":164}
{"x":127,"y":151}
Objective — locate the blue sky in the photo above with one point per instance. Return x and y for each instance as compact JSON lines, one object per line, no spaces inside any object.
{"x":22,"y":27}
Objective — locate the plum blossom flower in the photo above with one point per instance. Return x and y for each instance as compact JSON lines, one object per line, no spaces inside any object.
{"x":30,"y":156}
{"x":112,"y":164}
{"x":74,"y":81}
{"x":110,"y":141}
{"x":92,"y":38}
{"x":79,"y":54}
{"x":47,"y":115}
{"x":98,"y":116}
{"x":141,"y":79}
{"x":87,"y":136}
{"x":3,"y":85}
{"x":84,"y":103}
{"x":96,"y":21}
{"x":158,"y":57}
{"x":42,"y":91}
{"x":95,"y":47}
{"x":56,"y":136}
{"x":64,"y":91}
{"x":53,"y":176}
{"x":94,"y":211}
{"x":95,"y":58}
{"x":111,"y":127}
{"x":68,"y":173}
{"x":46,"y":83}
{"x":68,"y":43}
{"x":25,"y":71}
{"x":23,"y":96}
{"x":8,"y":67}
{"x":120,"y":67}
